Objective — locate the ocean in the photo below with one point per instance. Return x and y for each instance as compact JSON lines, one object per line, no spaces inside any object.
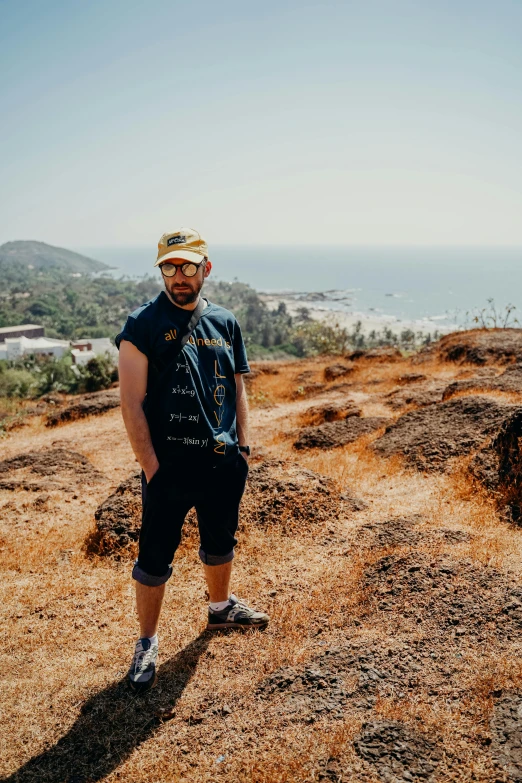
{"x":445,"y":285}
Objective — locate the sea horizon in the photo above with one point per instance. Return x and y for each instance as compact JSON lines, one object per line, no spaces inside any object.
{"x":408,"y":283}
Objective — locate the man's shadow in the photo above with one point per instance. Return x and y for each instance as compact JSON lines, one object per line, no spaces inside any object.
{"x":111,"y":724}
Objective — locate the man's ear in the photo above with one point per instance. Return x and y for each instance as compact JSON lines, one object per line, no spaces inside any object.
{"x":208,"y":267}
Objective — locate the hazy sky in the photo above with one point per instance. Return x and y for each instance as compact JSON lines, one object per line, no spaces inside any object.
{"x":376,"y":121}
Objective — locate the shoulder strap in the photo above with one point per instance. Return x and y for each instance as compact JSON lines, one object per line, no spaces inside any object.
{"x":194,"y":318}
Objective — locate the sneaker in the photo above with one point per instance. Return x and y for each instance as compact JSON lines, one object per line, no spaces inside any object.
{"x":236,"y":615}
{"x":142,"y":673}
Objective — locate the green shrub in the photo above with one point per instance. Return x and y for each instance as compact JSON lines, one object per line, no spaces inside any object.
{"x":16,"y":383}
{"x":99,"y":373}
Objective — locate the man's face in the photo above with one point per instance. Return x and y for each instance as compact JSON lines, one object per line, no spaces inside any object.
{"x":185,"y":290}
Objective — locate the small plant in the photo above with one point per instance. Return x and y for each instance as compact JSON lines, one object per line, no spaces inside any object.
{"x":491,"y":318}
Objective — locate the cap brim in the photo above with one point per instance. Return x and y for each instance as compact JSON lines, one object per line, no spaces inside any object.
{"x":181,"y":255}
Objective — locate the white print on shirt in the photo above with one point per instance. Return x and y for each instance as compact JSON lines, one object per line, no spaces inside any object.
{"x":180,"y":416}
{"x":191,"y":441}
{"x":184,"y":366}
{"x":183,"y":390}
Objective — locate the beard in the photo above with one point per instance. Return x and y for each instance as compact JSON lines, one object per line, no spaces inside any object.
{"x":185,"y":296}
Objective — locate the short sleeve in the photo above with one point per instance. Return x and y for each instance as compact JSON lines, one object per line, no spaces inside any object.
{"x":240,"y":355}
{"x":133,"y":334}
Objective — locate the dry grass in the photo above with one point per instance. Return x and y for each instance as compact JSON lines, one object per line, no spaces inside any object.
{"x":68,"y":621}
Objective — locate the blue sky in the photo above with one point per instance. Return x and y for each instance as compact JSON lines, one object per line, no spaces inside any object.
{"x":370,"y":122}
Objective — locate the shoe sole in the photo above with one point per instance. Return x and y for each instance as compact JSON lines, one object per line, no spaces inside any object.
{"x":139,"y":688}
{"x":242,"y":626}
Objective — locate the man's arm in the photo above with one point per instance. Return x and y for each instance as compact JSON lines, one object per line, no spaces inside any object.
{"x":241,"y":412}
{"x":133,"y":368}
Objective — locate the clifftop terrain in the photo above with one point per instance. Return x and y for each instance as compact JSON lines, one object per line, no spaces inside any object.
{"x":380,"y":530}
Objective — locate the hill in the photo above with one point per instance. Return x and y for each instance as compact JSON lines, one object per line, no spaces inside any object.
{"x":40,"y":256}
{"x":386,"y":559}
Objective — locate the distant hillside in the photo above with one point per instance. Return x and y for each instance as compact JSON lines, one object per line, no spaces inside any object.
{"x":45,"y":257}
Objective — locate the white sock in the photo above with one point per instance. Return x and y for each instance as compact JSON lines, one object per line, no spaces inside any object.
{"x":152,"y":639}
{"x":218,"y":606}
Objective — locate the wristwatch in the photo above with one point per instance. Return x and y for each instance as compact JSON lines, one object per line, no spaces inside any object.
{"x":246,"y":449}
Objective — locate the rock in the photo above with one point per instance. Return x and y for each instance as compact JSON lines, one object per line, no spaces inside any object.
{"x":398,"y":531}
{"x":308,"y":389}
{"x":334,"y":411}
{"x":338,"y":433}
{"x":309,"y":690}
{"x":84,"y":405}
{"x":442,"y":594}
{"x":353,"y":503}
{"x":397,"y":752}
{"x":423,"y":394}
{"x":498,"y":465}
{"x":480,"y":346}
{"x":509,"y":381}
{"x":334,"y":371}
{"x":506,"y":729}
{"x":429,"y":437}
{"x":261,"y":368}
{"x":385,"y":354}
{"x":352,"y":356}
{"x":118,"y":519}
{"x":411,"y":377}
{"x":285,"y":494}
{"x":62,"y":467}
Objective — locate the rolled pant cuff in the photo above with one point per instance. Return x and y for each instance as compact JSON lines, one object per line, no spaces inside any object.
{"x":150,"y":580}
{"x":215,"y":559}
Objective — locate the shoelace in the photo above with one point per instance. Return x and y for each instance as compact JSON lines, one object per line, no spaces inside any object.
{"x":142,"y":659}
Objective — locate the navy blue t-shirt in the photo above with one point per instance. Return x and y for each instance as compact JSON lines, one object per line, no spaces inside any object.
{"x":190,"y":407}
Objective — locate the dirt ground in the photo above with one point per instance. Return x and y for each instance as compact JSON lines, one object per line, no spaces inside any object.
{"x":394,"y":591}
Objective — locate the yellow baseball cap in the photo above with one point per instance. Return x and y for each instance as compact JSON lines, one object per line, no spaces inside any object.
{"x":185,"y":244}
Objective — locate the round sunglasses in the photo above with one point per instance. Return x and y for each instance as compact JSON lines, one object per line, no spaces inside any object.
{"x":189,"y":269}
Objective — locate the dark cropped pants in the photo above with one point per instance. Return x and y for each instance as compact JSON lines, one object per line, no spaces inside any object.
{"x":215,"y":492}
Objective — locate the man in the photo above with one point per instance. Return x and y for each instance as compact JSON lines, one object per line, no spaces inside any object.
{"x":186,"y":416}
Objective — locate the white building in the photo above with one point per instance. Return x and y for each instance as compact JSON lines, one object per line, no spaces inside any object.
{"x":43,"y":346}
{"x":81,"y":356}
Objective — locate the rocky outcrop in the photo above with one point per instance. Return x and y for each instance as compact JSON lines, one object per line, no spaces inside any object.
{"x":338,"y":433}
{"x":289,"y":496}
{"x":338,"y":370}
{"x":498,"y":466}
{"x":57,"y":468}
{"x":117,"y":519}
{"x":480,"y":346}
{"x":429,"y":437}
{"x":508,"y":381}
{"x":85,"y":405}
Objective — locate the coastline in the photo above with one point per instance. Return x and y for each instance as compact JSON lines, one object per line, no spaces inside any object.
{"x":333,"y":307}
